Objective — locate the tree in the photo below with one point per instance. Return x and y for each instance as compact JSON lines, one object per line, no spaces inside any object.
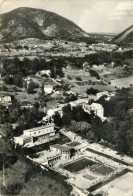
{"x":31,"y":87}
{"x":57,"y":119}
{"x":92,"y":91}
{"x":15,"y":177}
{"x":8,"y":131}
{"x":18,"y":80}
{"x":94,"y":74}
{"x":96,"y":127}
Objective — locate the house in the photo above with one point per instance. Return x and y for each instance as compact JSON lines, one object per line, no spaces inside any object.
{"x":5,"y":100}
{"x":52,"y":112}
{"x":68,"y":150}
{"x":49,"y":85}
{"x":97,"y":108}
{"x":37,"y":136}
{"x":43,"y":73}
{"x":48,"y":88}
{"x":65,"y":151}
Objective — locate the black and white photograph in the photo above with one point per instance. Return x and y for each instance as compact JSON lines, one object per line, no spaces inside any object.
{"x":66,"y":97}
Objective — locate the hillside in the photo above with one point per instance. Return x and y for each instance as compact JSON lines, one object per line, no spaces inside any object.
{"x":125,"y":37}
{"x":36,"y":23}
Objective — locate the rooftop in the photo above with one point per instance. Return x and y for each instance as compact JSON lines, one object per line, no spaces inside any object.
{"x":49,"y":81}
{"x":61,"y":147}
{"x":39,"y":128}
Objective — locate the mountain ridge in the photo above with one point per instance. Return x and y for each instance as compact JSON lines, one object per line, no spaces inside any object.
{"x":125,"y":37}
{"x":27,"y":22}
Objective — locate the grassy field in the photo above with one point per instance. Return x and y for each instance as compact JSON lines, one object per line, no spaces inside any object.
{"x":78,"y":165}
{"x":24,"y":97}
{"x":82,"y":89}
{"x":73,"y":73}
{"x":122,"y":82}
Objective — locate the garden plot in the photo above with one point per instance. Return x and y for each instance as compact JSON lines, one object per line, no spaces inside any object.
{"x":102,"y":169}
{"x":79,"y":165}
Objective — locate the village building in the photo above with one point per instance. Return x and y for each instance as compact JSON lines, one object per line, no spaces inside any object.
{"x":43,"y":73}
{"x":65,"y":151}
{"x":48,"y":88}
{"x":97,"y":108}
{"x":37,"y":136}
{"x":6,"y":100}
{"x":51,"y":112}
{"x":59,"y":153}
{"x":49,"y":85}
{"x":68,"y":150}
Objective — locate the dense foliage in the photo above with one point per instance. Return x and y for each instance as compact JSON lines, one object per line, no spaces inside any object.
{"x":119,"y":130}
{"x":14,"y":70}
{"x":92,"y":91}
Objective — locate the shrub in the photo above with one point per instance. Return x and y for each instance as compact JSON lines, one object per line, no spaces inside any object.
{"x":78,"y":78}
{"x":94,"y":73}
{"x":69,"y":77}
{"x":92,"y":91}
{"x":31,"y":87}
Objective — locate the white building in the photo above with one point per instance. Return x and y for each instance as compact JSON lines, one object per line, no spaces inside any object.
{"x":69,"y":149}
{"x":43,"y":72}
{"x":37,"y":136}
{"x":97,"y":108}
{"x":5,"y":99}
{"x":48,"y":88}
{"x":51,"y":112}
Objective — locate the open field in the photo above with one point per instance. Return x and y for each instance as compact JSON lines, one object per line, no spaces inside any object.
{"x":122,"y":82}
{"x":72,"y":74}
{"x":24,"y":97}
{"x":78,"y":165}
{"x":82,"y":89}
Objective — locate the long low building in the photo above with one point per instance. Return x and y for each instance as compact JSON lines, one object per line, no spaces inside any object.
{"x":37,"y":136}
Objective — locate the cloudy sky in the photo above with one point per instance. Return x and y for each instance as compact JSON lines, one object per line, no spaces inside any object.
{"x":111,"y":16}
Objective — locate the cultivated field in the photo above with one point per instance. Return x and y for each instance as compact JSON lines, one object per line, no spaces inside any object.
{"x":122,"y":82}
{"x":82,"y":89}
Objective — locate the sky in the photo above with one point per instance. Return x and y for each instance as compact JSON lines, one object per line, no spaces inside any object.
{"x":111,"y":16}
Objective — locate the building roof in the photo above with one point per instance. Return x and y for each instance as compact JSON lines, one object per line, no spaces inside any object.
{"x":39,"y":128}
{"x":61,"y":147}
{"x":50,"y":82}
